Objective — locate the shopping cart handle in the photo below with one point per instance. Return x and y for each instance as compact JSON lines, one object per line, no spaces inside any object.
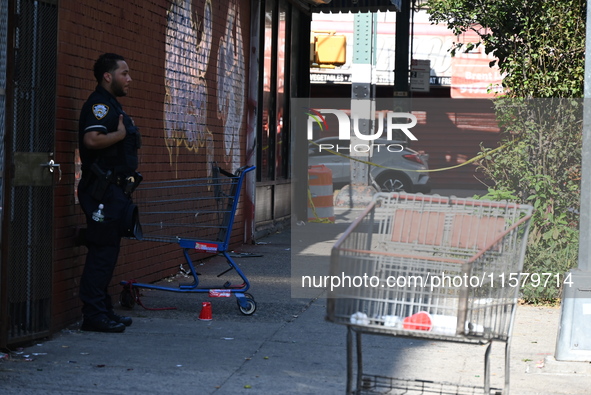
{"x":242,"y":170}
{"x":245,"y":169}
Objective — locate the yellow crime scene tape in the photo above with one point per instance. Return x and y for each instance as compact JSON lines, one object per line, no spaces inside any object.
{"x":474,"y":159}
{"x":420,"y":171}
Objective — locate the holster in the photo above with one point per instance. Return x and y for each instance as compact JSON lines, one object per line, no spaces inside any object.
{"x":131,"y":183}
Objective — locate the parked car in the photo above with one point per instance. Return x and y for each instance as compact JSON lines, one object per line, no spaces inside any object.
{"x":402,"y":169}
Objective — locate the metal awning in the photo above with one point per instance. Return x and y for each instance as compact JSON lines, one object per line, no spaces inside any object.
{"x":355,"y":6}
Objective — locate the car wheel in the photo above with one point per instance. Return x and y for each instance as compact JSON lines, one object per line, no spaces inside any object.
{"x":394,"y":182}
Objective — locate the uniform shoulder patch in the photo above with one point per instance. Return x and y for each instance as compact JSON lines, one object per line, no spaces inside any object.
{"x":100,"y":110}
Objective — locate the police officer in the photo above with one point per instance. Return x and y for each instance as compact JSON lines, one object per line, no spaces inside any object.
{"x":108,"y":141}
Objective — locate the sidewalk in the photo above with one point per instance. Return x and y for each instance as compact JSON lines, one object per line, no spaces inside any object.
{"x":285,"y":347}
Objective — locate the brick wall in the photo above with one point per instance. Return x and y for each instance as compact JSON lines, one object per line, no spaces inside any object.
{"x":187,"y":98}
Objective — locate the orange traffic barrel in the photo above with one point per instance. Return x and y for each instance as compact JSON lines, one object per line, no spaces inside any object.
{"x":320,"y":197}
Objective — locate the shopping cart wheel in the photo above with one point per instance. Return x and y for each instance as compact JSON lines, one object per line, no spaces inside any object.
{"x":127,"y":298}
{"x":250,"y":308}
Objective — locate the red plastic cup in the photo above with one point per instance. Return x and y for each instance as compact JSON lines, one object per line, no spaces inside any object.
{"x":205,"y":314}
{"x":420,"y":321}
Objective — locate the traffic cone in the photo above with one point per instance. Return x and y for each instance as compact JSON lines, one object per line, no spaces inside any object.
{"x":205,"y":314}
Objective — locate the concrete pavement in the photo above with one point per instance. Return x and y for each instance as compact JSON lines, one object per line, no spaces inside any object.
{"x":285,"y":347}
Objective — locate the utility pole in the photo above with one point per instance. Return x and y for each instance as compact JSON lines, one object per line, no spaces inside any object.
{"x":401,"y":61}
{"x":360,"y":193}
{"x":574,"y":340}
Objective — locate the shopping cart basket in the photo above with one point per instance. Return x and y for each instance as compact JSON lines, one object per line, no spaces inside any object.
{"x":435,"y":268}
{"x":198,"y":215}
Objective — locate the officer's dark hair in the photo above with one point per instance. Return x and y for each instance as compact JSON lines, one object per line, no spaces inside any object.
{"x":106,"y":63}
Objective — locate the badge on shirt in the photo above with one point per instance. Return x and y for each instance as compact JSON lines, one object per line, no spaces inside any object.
{"x":100,"y":110}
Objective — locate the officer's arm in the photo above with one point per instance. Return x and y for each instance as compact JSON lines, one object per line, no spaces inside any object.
{"x":98,"y":140}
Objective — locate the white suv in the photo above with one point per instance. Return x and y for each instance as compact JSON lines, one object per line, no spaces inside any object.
{"x":403,"y":168}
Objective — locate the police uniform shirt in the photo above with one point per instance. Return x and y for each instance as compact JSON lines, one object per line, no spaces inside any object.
{"x":100,"y":114}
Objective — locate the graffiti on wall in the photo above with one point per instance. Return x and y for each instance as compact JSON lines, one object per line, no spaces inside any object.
{"x":188,"y":49}
{"x":231,"y":80}
{"x":185,"y":102}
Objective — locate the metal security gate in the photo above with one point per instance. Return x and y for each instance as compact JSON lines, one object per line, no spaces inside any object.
{"x":28,"y":210}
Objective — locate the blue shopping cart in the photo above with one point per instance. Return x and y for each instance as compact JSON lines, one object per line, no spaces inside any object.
{"x":198,"y":215}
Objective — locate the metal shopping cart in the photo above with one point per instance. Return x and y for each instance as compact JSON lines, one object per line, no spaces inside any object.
{"x":435,"y":268}
{"x":198,"y":215}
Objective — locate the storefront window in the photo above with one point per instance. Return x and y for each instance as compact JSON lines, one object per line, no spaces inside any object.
{"x":282,"y":139}
{"x":267,"y":139}
{"x":273,"y":147}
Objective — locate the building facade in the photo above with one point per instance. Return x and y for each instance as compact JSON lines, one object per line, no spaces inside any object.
{"x":211,"y":82}
{"x":452,"y":102}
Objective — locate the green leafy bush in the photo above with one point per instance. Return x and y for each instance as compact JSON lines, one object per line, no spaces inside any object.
{"x":539,"y":48}
{"x":541,"y":166}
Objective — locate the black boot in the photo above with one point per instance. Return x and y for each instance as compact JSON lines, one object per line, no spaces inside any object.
{"x":127,"y":321}
{"x":102,"y":324}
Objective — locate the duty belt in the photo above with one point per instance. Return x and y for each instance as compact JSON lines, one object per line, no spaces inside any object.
{"x":126,"y":182}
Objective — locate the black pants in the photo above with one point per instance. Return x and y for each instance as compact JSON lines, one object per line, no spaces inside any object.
{"x":103,"y":240}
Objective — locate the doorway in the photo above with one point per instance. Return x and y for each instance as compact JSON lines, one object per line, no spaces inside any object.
{"x":29,"y":172}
